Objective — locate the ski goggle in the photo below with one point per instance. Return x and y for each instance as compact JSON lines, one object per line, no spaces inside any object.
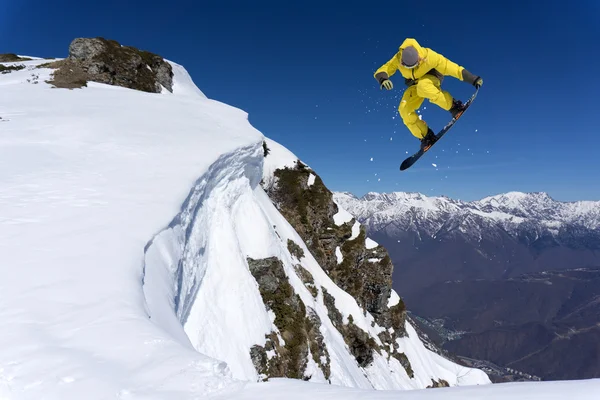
{"x":411,"y":66}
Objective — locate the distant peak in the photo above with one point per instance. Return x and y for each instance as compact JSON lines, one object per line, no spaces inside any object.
{"x":393,"y":196}
{"x":346,"y":194}
{"x":516,"y":197}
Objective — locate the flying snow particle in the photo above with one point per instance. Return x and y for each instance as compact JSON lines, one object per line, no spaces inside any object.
{"x":379,"y":180}
{"x":371,"y":158}
{"x":391,"y":139}
{"x":435,"y":165}
{"x":475,"y":130}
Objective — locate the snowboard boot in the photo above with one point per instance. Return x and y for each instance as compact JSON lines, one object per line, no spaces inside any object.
{"x":428,"y":140}
{"x":457,"y":108}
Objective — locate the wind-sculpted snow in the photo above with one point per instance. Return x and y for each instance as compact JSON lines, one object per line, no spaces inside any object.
{"x":87,"y":178}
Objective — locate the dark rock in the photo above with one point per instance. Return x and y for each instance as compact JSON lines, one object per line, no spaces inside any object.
{"x":258,"y":354}
{"x":107,"y":61}
{"x":403,"y":359}
{"x":438,"y":384}
{"x":268,"y":272}
{"x":332,"y":312}
{"x":310,"y":210}
{"x":164,"y":74}
{"x":295,"y":249}
{"x":361,"y":344}
{"x":366,"y":274}
{"x":10,"y":57}
{"x":299,"y":330}
{"x":87,"y":49}
{"x":318,"y":348}
{"x":7,"y":70}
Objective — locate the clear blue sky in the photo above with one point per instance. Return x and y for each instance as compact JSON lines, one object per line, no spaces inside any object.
{"x":304,"y":73}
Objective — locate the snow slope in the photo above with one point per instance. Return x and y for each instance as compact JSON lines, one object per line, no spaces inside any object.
{"x":297,"y":390}
{"x":87,"y":178}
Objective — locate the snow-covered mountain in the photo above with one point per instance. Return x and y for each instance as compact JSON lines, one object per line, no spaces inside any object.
{"x":435,"y":239}
{"x":441,"y":215}
{"x":142,"y":258}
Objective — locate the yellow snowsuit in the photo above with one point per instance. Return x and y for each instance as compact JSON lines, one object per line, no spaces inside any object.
{"x":424,"y":83}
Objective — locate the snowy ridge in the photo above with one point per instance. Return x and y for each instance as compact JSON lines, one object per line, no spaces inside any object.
{"x":426,"y":364}
{"x":183,"y":85}
{"x":428,"y":215}
{"x":218,"y":302}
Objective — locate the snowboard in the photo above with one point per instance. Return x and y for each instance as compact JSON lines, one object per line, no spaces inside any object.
{"x":407,"y":163}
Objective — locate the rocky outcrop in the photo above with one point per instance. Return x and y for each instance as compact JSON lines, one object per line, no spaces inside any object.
{"x":8,"y":69}
{"x":107,"y":61}
{"x":10,"y":57}
{"x":438,"y":384}
{"x":296,"y":325}
{"x":365,"y":273}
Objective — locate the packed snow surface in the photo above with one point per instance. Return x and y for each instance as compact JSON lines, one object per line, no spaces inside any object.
{"x":370,"y":244}
{"x":342,"y":216}
{"x":294,"y":390}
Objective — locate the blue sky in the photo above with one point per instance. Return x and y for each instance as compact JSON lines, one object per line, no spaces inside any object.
{"x":304,"y":73}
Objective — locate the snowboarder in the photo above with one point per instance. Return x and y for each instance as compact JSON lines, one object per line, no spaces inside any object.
{"x":423,"y":70}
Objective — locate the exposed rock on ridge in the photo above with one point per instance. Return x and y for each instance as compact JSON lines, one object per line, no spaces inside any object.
{"x":107,"y":61}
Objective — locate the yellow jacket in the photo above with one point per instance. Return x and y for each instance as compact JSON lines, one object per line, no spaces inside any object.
{"x":432,"y":63}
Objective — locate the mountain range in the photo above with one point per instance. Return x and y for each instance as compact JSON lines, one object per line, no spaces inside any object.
{"x":510,"y":278}
{"x":438,"y":239}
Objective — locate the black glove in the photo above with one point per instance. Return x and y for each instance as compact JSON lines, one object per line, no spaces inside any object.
{"x":409,"y":82}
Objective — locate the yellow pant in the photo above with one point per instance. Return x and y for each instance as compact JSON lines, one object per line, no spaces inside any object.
{"x":428,"y":87}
